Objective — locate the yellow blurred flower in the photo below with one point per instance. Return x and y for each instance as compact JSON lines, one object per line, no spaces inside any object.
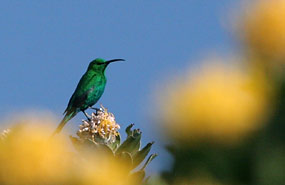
{"x":219,"y":103}
{"x":29,"y":155}
{"x":263,"y":28}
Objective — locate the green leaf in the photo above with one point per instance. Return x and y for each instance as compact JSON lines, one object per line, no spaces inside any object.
{"x":136,"y":132}
{"x":145,"y":182}
{"x":140,"y":155}
{"x":104,"y":149}
{"x":126,"y":159}
{"x":128,"y":130}
{"x":82,"y":144}
{"x":88,"y":143}
{"x":151,"y":157}
{"x":88,"y":146}
{"x":131,"y":144}
{"x":138,"y":176}
{"x":98,"y":139}
{"x":116,"y":144}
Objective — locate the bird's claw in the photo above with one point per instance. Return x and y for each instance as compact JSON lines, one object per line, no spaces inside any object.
{"x":97,"y":110}
{"x":87,"y":116}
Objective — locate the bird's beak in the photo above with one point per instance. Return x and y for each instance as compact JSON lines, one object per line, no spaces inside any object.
{"x":114,"y":60}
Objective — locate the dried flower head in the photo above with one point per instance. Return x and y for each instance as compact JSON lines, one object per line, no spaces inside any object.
{"x":101,"y":127}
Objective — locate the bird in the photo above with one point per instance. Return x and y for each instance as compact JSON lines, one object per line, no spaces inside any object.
{"x":88,"y":91}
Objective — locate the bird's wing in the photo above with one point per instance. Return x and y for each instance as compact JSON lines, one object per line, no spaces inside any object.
{"x":81,"y":92}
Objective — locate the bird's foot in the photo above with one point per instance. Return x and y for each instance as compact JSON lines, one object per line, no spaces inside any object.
{"x":97,"y":110}
{"x":87,"y":116}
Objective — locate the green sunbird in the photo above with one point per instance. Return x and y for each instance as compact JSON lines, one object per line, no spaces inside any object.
{"x":88,"y":91}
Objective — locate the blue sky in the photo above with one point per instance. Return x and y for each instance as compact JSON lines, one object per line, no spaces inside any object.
{"x":45,"y":47}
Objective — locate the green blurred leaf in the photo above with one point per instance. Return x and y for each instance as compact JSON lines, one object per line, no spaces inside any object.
{"x":98,"y":139}
{"x":126,"y":159}
{"x":146,"y":180}
{"x":104,"y":148}
{"x":82,"y":144}
{"x":88,"y":143}
{"x":151,"y":157}
{"x":116,"y":144}
{"x":157,"y":180}
{"x":128,"y":130}
{"x":87,"y":146}
{"x":138,"y":176}
{"x":141,"y":155}
{"x":130,"y":145}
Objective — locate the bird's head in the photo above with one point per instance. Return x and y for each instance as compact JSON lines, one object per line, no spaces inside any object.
{"x":100,"y":64}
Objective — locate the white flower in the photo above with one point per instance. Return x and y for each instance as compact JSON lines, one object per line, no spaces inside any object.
{"x":102,"y":124}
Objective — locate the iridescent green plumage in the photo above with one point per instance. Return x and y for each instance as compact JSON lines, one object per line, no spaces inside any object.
{"x":88,"y":91}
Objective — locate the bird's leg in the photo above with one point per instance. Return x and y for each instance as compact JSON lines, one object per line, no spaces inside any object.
{"x":87,"y":116}
{"x":96,"y":109}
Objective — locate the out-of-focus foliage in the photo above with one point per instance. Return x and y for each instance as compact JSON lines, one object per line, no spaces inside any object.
{"x":227,"y":123}
{"x":202,"y":180}
{"x":29,"y":155}
{"x":259,"y":159}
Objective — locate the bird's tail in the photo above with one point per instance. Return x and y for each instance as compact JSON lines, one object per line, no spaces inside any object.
{"x":68,"y":116}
